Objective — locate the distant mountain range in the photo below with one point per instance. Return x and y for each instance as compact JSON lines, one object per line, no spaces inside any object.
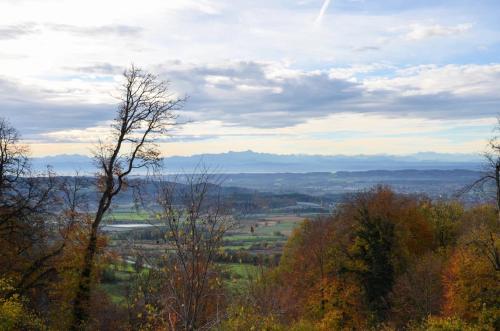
{"x":252,"y":162}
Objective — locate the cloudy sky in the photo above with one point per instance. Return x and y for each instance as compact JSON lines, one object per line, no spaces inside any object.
{"x":280,"y":76}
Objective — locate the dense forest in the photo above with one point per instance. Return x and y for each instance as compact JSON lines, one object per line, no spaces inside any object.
{"x":384,"y":261}
{"x":379,"y":261}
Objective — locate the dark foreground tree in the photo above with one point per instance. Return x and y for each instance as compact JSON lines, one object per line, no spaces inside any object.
{"x":373,"y":251}
{"x":146,"y":111}
{"x":27,"y":202}
{"x":13,"y":157}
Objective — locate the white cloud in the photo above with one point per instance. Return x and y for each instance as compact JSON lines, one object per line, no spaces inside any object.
{"x":348,"y":134}
{"x":265,"y":95}
{"x":350,"y":72}
{"x":459,"y":80}
{"x":421,"y":31}
{"x":88,"y":135}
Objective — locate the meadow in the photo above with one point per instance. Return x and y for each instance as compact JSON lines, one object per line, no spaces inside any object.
{"x":254,"y":240}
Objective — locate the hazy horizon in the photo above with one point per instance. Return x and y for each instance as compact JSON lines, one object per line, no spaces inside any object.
{"x":252,"y":162}
{"x":430,"y":154}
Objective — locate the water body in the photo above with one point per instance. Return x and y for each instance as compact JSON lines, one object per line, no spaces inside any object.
{"x":123,"y":227}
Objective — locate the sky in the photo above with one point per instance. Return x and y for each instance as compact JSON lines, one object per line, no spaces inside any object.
{"x":278,"y":76}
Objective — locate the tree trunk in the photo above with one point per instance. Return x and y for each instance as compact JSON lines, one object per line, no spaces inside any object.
{"x":82,"y":298}
{"x":497,"y":182}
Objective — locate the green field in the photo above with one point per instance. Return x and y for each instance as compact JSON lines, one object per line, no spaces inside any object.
{"x":127,"y":217}
{"x":238,"y":275}
{"x":270,"y":233}
{"x":116,"y":287}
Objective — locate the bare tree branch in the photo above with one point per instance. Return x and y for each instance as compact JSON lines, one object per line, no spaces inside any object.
{"x":146,"y":111}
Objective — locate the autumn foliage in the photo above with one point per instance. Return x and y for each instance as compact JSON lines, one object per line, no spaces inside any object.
{"x":389,"y":261}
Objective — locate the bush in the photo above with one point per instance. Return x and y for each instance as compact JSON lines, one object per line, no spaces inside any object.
{"x":13,"y":312}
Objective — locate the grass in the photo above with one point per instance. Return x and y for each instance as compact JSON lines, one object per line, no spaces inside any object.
{"x":239,"y":274}
{"x":116,"y":291}
{"x":127,"y":216}
{"x":267,"y":231}
{"x":122,"y":275}
{"x":241,"y":270}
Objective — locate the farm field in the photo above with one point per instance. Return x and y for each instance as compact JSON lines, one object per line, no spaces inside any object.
{"x":258,"y":234}
{"x":255,"y":237}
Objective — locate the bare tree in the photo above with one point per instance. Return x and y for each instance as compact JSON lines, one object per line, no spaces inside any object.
{"x":493,"y":162}
{"x":491,"y":173}
{"x":485,"y":237}
{"x":13,"y":156}
{"x":22,"y":198}
{"x":17,"y":197}
{"x":195,"y":220}
{"x":146,"y":111}
{"x":28,"y":205}
{"x":196,"y":223}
